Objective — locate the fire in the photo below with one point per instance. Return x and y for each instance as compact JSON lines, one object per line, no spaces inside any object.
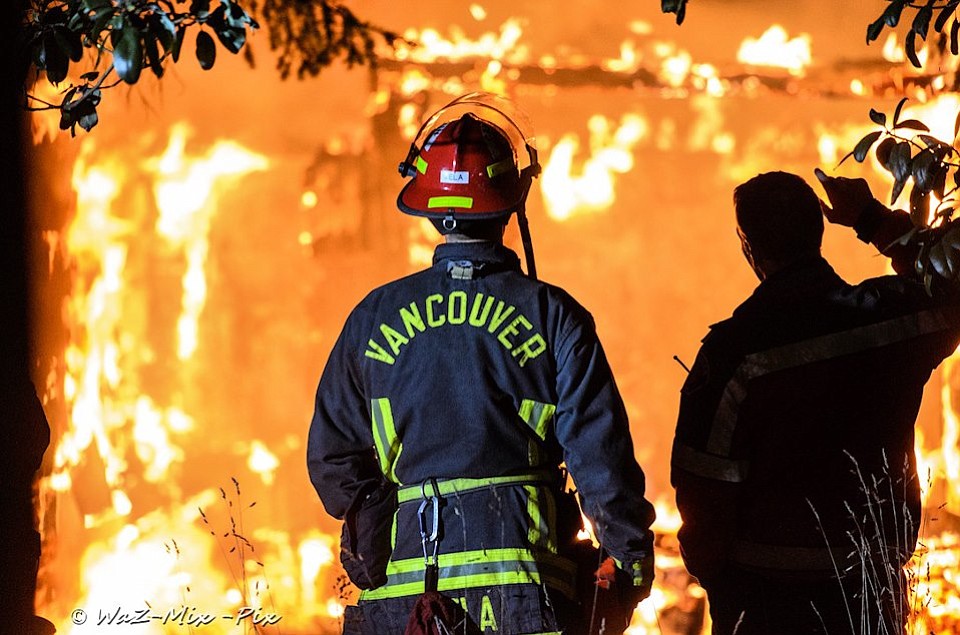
{"x":431,"y":45}
{"x":593,"y":189}
{"x":775,"y":49}
{"x":183,"y":195}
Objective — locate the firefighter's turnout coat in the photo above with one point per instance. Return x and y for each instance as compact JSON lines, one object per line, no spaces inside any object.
{"x":472,"y":379}
{"x":794,"y":451}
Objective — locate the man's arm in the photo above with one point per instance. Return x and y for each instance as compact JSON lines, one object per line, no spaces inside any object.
{"x":340,"y":454}
{"x":708,"y":482}
{"x":853,"y":205}
{"x":593,"y":429}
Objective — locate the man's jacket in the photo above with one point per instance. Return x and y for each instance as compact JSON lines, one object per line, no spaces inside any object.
{"x":485,"y":380}
{"x":794,"y":452}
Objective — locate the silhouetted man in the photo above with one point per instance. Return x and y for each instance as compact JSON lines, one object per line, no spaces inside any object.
{"x":794,"y":455}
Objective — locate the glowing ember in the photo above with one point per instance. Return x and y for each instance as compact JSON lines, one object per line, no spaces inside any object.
{"x":775,"y":49}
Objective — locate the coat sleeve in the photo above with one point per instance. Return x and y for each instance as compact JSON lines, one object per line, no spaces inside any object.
{"x":341,"y":458}
{"x":709,"y":484}
{"x":593,"y":430}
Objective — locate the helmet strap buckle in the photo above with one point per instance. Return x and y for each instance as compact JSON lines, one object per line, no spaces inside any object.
{"x":449,"y":222}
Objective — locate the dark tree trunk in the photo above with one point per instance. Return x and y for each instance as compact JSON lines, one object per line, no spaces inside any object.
{"x":24,"y":433}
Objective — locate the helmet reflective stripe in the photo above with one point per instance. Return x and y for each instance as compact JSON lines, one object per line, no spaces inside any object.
{"x":464,"y":202}
{"x":499,"y":167}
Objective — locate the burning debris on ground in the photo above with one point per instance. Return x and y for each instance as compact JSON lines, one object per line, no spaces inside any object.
{"x":199,"y":250}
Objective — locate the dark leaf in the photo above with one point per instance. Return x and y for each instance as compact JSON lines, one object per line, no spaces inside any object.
{"x":93,"y":5}
{"x":898,"y":185}
{"x":897,"y":110}
{"x":164,"y":29}
{"x":100,"y":21}
{"x":200,"y":8}
{"x":954,"y":41}
{"x":900,"y":160}
{"x":232,"y":39}
{"x":178,"y":44}
{"x":55,"y":60}
{"x":217,"y":19}
{"x":923,"y":169}
{"x":919,"y":206}
{"x":237,"y":17}
{"x":66,"y":119}
{"x":206,"y":50}
{"x":940,"y":180}
{"x":892,"y":14}
{"x":90,"y":76}
{"x":128,"y":55}
{"x":938,"y":261}
{"x":910,"y":45}
{"x":913,"y":124}
{"x":931,"y":142}
{"x":921,"y":22}
{"x":153,"y":55}
{"x":884,"y":148}
{"x":88,"y":120}
{"x":907,"y":238}
{"x":878,"y":117}
{"x":956,"y":126}
{"x":945,"y":14}
{"x":70,"y":44}
{"x":845,"y":157}
{"x":864,"y":145}
{"x":874,"y":29}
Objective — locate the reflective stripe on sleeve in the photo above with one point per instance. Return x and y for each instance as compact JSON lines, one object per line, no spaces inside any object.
{"x":385,"y":437}
{"x":784,"y":558}
{"x":813,"y":350}
{"x":708,"y":465}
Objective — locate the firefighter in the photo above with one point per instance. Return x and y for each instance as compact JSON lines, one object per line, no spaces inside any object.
{"x":793,"y":459}
{"x":449,"y":403}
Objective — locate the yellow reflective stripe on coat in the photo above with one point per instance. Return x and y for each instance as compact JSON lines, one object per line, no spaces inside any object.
{"x":537,"y":415}
{"x":478,"y":569}
{"x":463,"y":485}
{"x":385,"y":437}
{"x":542,"y":517}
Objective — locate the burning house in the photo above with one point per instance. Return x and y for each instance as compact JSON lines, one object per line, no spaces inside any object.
{"x":198,"y":252}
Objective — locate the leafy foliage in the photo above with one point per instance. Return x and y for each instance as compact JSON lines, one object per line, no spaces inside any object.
{"x":931,"y":167}
{"x":940,"y":12}
{"x":311,"y":35}
{"x":127,"y":36}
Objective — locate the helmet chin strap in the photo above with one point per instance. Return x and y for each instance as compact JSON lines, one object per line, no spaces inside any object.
{"x":525,"y":225}
{"x":527,"y":241}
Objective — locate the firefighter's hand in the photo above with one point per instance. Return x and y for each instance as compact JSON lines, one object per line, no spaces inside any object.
{"x":630,"y":586}
{"x":848,"y":197}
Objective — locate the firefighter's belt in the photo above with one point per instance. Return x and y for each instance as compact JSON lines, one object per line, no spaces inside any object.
{"x":450,"y":486}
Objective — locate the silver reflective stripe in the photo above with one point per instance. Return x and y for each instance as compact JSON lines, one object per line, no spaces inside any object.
{"x":814,"y":350}
{"x":709,"y":465}
{"x":763,"y":556}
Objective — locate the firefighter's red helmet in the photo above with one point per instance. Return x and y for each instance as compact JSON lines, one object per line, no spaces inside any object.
{"x":465,"y":164}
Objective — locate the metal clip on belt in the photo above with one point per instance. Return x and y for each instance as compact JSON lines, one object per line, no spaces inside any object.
{"x":431,"y":570}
